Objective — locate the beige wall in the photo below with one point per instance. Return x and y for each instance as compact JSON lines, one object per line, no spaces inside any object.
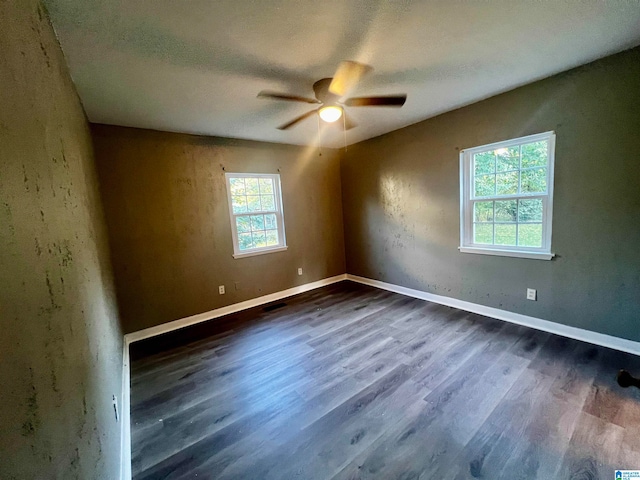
{"x":61,"y":344}
{"x":401,"y":201}
{"x":168,"y":219}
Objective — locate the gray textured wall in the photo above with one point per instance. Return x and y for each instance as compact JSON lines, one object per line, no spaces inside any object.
{"x":401,"y":201}
{"x":168,"y":220}
{"x":61,"y":343}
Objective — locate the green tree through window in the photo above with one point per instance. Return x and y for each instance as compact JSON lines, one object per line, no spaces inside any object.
{"x":507,"y":195}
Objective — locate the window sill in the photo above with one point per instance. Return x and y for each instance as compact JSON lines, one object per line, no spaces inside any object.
{"x":507,"y":253}
{"x":253,"y":253}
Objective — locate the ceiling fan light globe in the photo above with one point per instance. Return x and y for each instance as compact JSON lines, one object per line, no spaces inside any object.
{"x":330,"y":114}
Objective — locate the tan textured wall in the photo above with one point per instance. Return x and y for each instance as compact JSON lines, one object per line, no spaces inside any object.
{"x":61,"y":344}
{"x":168,"y":220}
{"x":401,"y":201}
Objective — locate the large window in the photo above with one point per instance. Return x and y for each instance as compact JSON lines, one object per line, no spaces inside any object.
{"x":507,"y":197}
{"x":255,"y":207}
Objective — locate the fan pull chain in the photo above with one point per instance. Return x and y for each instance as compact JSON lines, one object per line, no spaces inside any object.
{"x":344,"y":128}
{"x":319,"y":142}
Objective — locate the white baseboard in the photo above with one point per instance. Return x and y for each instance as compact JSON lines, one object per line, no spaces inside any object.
{"x":129,"y":338}
{"x":236,"y":307}
{"x":125,"y":416}
{"x":616,"y":343}
{"x":595,"y":338}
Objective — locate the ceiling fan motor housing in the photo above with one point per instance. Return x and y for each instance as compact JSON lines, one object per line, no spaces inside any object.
{"x":321,"y":89}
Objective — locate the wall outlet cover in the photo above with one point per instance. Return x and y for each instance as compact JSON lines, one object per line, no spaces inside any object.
{"x":221,"y":289}
{"x":532,"y":294}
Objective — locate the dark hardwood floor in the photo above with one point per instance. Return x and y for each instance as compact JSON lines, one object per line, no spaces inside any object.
{"x":352,"y":382}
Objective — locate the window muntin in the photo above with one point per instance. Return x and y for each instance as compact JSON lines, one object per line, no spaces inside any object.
{"x":255,"y":207}
{"x":506,"y":197}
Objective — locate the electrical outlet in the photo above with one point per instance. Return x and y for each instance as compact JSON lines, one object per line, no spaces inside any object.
{"x":300,"y":271}
{"x":115,"y":407}
{"x":532,"y":294}
{"x":221,"y":289}
{"x":237,"y":285}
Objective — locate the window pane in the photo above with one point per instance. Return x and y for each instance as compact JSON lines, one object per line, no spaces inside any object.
{"x":252,"y":186}
{"x":484,"y":163}
{"x":272,"y":237}
{"x":506,"y":211}
{"x":505,"y":234}
{"x":245,"y":241}
{"x":507,"y":159}
{"x":239,"y":204}
{"x":530,"y":210}
{"x":534,"y":154}
{"x":243,"y":224}
{"x":259,"y":239}
{"x":485,"y":185}
{"x":257,"y":222}
{"x":266,"y":185}
{"x":483,"y":212}
{"x":508,"y":191}
{"x":483,"y":233}
{"x":270,"y":221}
{"x":237,"y":186}
{"x":268,"y":202}
{"x":534,"y":181}
{"x":530,"y":235}
{"x":507,"y":183}
{"x":255,"y":212}
{"x":253,"y":203}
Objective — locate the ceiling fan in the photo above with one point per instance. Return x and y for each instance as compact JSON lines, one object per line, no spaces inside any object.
{"x":329,"y":93}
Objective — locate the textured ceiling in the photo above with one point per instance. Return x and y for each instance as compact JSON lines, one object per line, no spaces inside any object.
{"x":197,"y":66}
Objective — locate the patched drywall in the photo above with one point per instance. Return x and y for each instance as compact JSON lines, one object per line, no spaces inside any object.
{"x":60,"y":339}
{"x":401,"y":201}
{"x":168,"y":220}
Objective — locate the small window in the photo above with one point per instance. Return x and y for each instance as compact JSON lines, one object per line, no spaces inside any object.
{"x":255,"y":207}
{"x":506,"y":194}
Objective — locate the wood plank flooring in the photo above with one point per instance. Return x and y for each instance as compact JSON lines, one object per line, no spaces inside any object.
{"x":350,"y":382}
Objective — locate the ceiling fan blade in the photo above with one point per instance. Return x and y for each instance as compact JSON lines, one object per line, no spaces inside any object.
{"x":347,"y":76}
{"x":284,"y":96}
{"x":388,"y":101}
{"x":296,"y":120}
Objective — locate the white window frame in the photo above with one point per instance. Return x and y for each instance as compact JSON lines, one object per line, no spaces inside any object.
{"x":279,"y":213}
{"x":467,"y":200}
